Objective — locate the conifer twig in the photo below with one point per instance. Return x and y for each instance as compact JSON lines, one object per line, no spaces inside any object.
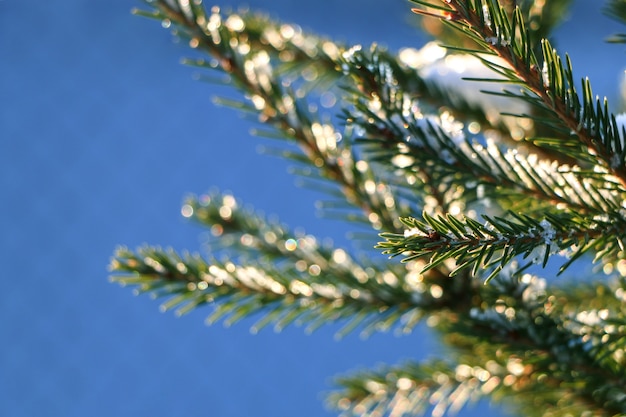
{"x":279,"y":107}
{"x":589,"y":121}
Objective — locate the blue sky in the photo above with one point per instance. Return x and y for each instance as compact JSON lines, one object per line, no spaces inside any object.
{"x":102,"y":134}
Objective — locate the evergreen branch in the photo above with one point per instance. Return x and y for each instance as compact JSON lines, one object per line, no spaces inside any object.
{"x":522,"y":340}
{"x":393,"y":87}
{"x":412,"y":389}
{"x":434,"y":155}
{"x":296,"y":292}
{"x":242,"y":234}
{"x":439,"y":153}
{"x":248,"y":32}
{"x":496,"y":243}
{"x":280,"y":107}
{"x":375,"y":74}
{"x":541,"y":17}
{"x":594,"y":132}
{"x":283,"y":277}
{"x":544,"y":343}
{"x":286,"y":112}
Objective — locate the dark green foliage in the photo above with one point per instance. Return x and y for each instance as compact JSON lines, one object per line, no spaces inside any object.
{"x":617,"y":10}
{"x":533,"y":168}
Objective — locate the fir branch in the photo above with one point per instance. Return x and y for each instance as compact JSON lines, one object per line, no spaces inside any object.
{"x":374,"y":74}
{"x":493,"y":245}
{"x":439,"y":153}
{"x":387,"y":91}
{"x":542,"y":18}
{"x":411,"y":389}
{"x":240,"y":233}
{"x":532,"y":328}
{"x":594,"y":134}
{"x":523,"y":339}
{"x":284,"y":277}
{"x":279,"y":106}
{"x":298,"y":292}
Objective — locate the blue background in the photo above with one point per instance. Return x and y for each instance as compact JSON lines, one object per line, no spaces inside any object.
{"x":102,"y":134}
